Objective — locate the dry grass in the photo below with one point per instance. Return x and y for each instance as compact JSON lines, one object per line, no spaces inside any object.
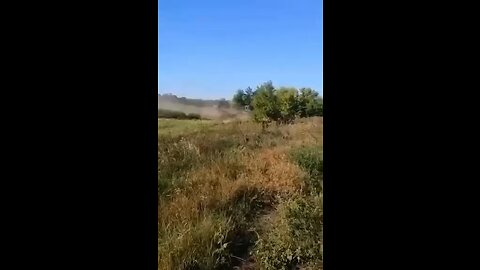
{"x":215,"y":183}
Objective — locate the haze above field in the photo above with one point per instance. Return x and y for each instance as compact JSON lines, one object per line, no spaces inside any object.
{"x":211,"y":109}
{"x":209,"y":49}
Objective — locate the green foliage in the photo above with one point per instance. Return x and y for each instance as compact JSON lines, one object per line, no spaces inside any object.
{"x":239,"y":98}
{"x":266,"y":103}
{"x":288,"y":103}
{"x":283,"y":104}
{"x":310,"y":104}
{"x":248,"y":98}
{"x":243,"y":98}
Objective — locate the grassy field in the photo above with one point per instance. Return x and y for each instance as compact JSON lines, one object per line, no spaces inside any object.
{"x":176,"y":127}
{"x":234,"y":196}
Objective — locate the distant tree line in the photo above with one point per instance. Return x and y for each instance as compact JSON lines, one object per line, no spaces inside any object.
{"x":282,"y":105}
{"x":177,"y":115}
{"x":221,"y":103}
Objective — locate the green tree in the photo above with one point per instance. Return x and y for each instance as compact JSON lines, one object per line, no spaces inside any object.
{"x":248,"y":97}
{"x":288,"y":103}
{"x":320,"y":106}
{"x":239,"y":98}
{"x":244,"y":98}
{"x":310,"y":104}
{"x":265,"y":103}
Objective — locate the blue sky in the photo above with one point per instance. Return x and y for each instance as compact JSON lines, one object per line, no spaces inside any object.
{"x":211,"y":48}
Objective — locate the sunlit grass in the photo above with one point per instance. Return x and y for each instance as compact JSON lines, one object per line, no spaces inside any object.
{"x":217,"y":182}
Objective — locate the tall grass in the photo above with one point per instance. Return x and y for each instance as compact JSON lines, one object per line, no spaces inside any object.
{"x":294,"y":237}
{"x":311,"y":160}
{"x":218,"y":181}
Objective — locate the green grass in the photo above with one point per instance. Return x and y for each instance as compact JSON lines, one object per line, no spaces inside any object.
{"x":176,"y":127}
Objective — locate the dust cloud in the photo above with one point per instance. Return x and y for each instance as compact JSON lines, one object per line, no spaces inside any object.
{"x":207,"y":112}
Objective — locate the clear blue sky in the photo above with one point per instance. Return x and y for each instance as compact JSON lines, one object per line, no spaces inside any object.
{"x":211,"y":48}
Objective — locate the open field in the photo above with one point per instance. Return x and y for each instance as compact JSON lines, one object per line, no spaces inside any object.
{"x":234,"y":196}
{"x":183,"y":127}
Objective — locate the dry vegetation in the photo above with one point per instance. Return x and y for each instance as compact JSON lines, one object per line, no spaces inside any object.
{"x":232,"y":196}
